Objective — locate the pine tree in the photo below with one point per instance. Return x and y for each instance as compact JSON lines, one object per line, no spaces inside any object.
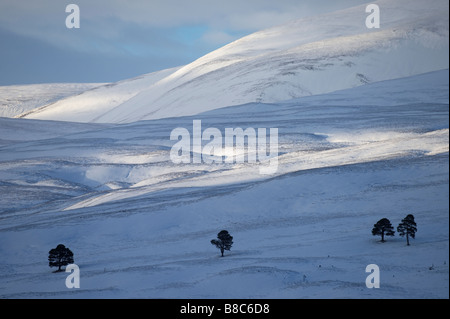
{"x":60,"y":256}
{"x":407,"y":227}
{"x":223,"y":242}
{"x":384,"y":228}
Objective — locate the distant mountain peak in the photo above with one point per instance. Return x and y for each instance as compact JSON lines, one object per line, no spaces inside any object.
{"x":310,"y":56}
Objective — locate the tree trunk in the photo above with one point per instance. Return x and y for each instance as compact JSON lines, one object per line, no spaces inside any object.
{"x":382,"y":237}
{"x":407,"y":239}
{"x":221,"y":250}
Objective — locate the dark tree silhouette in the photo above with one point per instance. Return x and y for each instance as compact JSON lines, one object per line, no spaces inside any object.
{"x":60,"y":256}
{"x":223,"y":242}
{"x":384,"y":228}
{"x":407,"y":227}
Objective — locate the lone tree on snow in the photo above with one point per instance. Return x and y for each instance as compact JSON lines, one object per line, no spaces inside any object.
{"x":384,"y":228}
{"x":223,"y":242}
{"x":407,"y":227}
{"x":60,"y":256}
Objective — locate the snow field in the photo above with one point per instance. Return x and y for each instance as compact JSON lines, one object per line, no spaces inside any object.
{"x":140,"y":226}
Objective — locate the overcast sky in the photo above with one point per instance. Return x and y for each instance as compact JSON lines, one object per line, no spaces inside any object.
{"x":122,"y":39}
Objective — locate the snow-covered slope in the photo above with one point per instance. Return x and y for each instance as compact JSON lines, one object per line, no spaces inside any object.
{"x":305,"y":57}
{"x":140,"y":226}
{"x":18,"y":99}
{"x":94,"y":103}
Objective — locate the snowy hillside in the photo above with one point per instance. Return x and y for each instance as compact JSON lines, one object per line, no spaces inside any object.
{"x":140,"y":226}
{"x":94,"y":103}
{"x":305,"y":57}
{"x":18,"y":99}
{"x":362,"y":117}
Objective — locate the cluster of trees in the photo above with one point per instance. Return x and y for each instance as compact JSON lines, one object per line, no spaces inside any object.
{"x":407,"y":227}
{"x":62,"y":256}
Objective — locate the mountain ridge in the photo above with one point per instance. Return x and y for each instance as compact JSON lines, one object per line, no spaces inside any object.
{"x":308,"y":56}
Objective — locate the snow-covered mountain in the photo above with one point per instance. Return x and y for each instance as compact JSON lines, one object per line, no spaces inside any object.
{"x":140,"y":225}
{"x":309,"y":56}
{"x":363,"y":134}
{"x":18,"y":99}
{"x":94,"y":103}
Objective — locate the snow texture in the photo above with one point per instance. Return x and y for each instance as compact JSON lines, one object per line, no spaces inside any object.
{"x":18,"y":99}
{"x":309,"y":56}
{"x":140,"y":226}
{"x":363,"y":134}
